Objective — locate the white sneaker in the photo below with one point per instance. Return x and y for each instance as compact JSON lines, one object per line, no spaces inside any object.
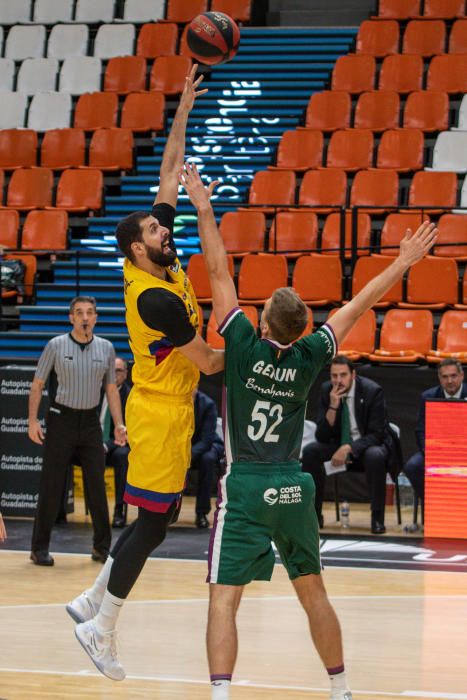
{"x":82,"y":608}
{"x":340,"y":695}
{"x":101,"y":649}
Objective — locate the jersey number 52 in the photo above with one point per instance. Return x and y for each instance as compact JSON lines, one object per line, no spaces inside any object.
{"x":261,"y":426}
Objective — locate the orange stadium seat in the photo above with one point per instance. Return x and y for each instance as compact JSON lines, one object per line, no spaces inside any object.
{"x":293,"y":232}
{"x":96,"y":110}
{"x":30,"y":264}
{"x":239,"y":10}
{"x":424,"y":37}
{"x":111,"y":149}
{"x":452,"y":337}
{"x":125,"y":74}
{"x":399,"y":9}
{"x":368,"y":267}
{"x":2,"y":186}
{"x":63,"y":148}
{"x":198,"y":276}
{"x":464,"y":292}
{"x":260,"y":275}
{"x":354,"y":73}
{"x":45,"y":230}
{"x":215,"y":340}
{"x":157,"y":40}
{"x":360,"y":342}
{"x":9,"y":225}
{"x":401,"y":149}
{"x":182,"y":11}
{"x":378,"y":38}
{"x":318,"y":279}
{"x":444,"y":9}
{"x":448,"y":73}
{"x":300,"y":150}
{"x":331,"y":235}
{"x":402,"y":73}
{"x":395,"y":228}
{"x":351,"y":149}
{"x":243,"y":231}
{"x":273,"y":187}
{"x":80,"y":190}
{"x":458,"y":37}
{"x":324,"y":188}
{"x":30,"y":188}
{"x":378,"y":188}
{"x":427,"y":110}
{"x":18,"y":148}
{"x":143,"y":111}
{"x":328,"y":110}
{"x":432,"y":284}
{"x":433,"y":189}
{"x":168,"y":74}
{"x":378,"y":110}
{"x":452,"y":229}
{"x":406,"y":336}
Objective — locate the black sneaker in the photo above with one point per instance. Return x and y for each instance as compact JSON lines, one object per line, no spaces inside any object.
{"x":202,"y":522}
{"x":119,"y":517}
{"x":96,"y":555}
{"x":42,"y":558}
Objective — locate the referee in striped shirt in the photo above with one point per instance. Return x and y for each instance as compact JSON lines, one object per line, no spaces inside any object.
{"x":83,"y":364}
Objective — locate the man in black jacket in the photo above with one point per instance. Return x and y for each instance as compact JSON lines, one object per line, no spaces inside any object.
{"x":352,"y":430}
{"x":116,"y":456}
{"x":451,"y":386}
{"x":206,"y":450}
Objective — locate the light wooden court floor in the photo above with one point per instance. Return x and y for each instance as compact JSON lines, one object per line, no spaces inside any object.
{"x":405,"y":635}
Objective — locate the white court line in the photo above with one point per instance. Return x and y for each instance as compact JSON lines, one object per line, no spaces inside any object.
{"x":251,"y":599}
{"x":244,"y":683}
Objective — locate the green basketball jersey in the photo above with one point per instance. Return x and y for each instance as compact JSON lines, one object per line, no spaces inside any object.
{"x":267,"y":386}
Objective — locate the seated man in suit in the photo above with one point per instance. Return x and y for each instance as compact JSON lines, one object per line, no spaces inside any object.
{"x":115,"y":455}
{"x":451,"y":386}
{"x":352,"y":429}
{"x":206,"y":450}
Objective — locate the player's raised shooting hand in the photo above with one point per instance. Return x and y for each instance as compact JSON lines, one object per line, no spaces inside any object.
{"x":190,"y":91}
{"x":414,"y":247}
{"x":199,"y":195}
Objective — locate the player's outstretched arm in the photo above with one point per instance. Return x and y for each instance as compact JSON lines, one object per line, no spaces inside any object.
{"x":224,"y":294}
{"x":174,"y":151}
{"x":413,"y":248}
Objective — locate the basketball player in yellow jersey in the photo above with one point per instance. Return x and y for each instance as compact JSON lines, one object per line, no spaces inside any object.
{"x":162,"y":319}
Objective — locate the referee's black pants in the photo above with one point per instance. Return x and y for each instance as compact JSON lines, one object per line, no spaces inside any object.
{"x":72,"y":432}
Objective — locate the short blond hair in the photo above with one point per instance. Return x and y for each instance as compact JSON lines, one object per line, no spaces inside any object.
{"x":287,"y":315}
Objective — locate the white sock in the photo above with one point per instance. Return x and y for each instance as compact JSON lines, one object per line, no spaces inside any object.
{"x":220,"y":689}
{"x":97,"y":590}
{"x":106,"y":618}
{"x":338,"y":681}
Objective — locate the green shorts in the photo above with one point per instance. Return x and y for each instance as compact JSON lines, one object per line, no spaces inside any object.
{"x":257,"y":507}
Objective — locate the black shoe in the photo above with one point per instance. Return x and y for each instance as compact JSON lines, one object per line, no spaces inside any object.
{"x":96,"y":555}
{"x":377,"y":528}
{"x":202,"y":522}
{"x":320,"y":520}
{"x":42,"y":558}
{"x":61,"y":519}
{"x":119,"y":517}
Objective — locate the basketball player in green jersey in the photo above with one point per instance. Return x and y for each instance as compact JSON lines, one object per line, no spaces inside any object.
{"x":264,"y":496}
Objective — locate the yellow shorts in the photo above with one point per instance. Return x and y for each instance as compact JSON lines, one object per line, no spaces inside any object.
{"x":159,"y":435}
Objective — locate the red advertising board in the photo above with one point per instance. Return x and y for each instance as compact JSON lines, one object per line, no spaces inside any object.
{"x":446,"y":469}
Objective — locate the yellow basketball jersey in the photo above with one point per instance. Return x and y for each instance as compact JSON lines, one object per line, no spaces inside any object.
{"x":159,"y":366}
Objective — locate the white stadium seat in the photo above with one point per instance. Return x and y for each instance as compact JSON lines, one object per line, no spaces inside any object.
{"x":25,"y":42}
{"x":92,"y":11}
{"x":13,"y":110}
{"x":464,"y":196}
{"x":13,"y":11}
{"x":68,"y":40}
{"x":80,"y":74}
{"x":450,"y":152}
{"x":7,"y":74}
{"x":143,"y":10}
{"x":462,"y":122}
{"x":52,"y":11}
{"x":37,"y":75}
{"x":114,"y":40}
{"x":50,"y":110}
